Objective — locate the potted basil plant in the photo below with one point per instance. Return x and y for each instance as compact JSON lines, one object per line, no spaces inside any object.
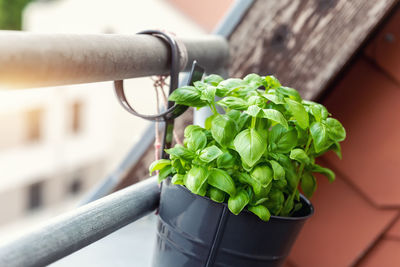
{"x":231,"y":195}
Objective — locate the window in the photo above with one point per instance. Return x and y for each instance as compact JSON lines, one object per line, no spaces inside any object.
{"x":75,"y":186}
{"x":33,"y":119}
{"x":35,"y":196}
{"x":76,"y":117}
{"x":21,"y":127}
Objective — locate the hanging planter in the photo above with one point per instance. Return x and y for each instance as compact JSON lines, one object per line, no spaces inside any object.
{"x":196,"y":231}
{"x":231,"y":193}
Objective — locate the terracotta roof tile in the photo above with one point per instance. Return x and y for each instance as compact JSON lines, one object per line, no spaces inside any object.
{"x":367,"y":103}
{"x":384,"y":49}
{"x":343,"y":227}
{"x":394,"y":231}
{"x":385,"y":253}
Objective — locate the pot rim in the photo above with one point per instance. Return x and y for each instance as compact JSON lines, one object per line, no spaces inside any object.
{"x":297,"y":218}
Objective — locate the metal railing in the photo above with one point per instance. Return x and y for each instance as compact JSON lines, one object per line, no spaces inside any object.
{"x":33,"y":60}
{"x":81,"y":227}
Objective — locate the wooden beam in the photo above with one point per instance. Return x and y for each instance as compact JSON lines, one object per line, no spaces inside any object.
{"x":304,"y":43}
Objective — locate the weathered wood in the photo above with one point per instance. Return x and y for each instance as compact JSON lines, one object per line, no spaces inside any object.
{"x":305,"y":43}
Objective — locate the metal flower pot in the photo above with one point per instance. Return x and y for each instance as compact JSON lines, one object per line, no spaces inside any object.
{"x":196,"y":231}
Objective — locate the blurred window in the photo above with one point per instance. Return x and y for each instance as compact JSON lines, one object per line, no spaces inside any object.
{"x":18,"y":128}
{"x":33,"y":119}
{"x":35,"y":195}
{"x":75,"y":186}
{"x":76,"y":116}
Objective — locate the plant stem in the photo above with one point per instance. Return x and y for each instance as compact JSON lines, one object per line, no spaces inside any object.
{"x":213,"y":108}
{"x":299,"y":174}
{"x":253,"y":122}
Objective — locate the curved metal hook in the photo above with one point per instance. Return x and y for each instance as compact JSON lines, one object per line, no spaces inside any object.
{"x":172,"y":111}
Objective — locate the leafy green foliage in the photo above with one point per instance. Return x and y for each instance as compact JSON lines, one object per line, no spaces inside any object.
{"x":210,"y":153}
{"x":250,"y":146}
{"x":260,"y":153}
{"x":223,"y":129}
{"x":11,"y":14}
{"x":237,"y":202}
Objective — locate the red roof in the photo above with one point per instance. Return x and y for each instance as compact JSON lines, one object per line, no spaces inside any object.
{"x":356,"y":218}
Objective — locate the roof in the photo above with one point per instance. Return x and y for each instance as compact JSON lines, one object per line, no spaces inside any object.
{"x":306,"y":44}
{"x":357,"y":217}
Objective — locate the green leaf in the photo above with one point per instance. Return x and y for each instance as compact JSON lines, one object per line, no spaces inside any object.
{"x":271,"y":82}
{"x":260,"y":191}
{"x":275,"y":116}
{"x":233,"y":103}
{"x":290,"y":170}
{"x":319,"y":112}
{"x":335,"y":147}
{"x":243,"y":120}
{"x":213,"y":79}
{"x":308,"y":184}
{"x":230,"y":85}
{"x":250,"y":146}
{"x":208,"y":94}
{"x":279,"y":171}
{"x":274,"y":98}
{"x":298,"y":112}
{"x":216,"y":194}
{"x":223,"y":129}
{"x":319,"y":135}
{"x":210,"y":153}
{"x":281,"y":140}
{"x":280,"y":184}
{"x":188,"y":96}
{"x":164,"y":173}
{"x":197,"y":140}
{"x":226,"y":160}
{"x":287,"y":206}
{"x":290,"y":92}
{"x":221,"y":180}
{"x":261,"y":211}
{"x":256,"y":100}
{"x":237,"y":202}
{"x":263,"y":174}
{"x":207,"y":123}
{"x":180,"y":151}
{"x":190,"y":128}
{"x":234,"y":114}
{"x":195,"y":178}
{"x":302,"y":136}
{"x":336,"y":131}
{"x":158,"y":165}
{"x":178,"y":166}
{"x":275,"y":201}
{"x":199,"y":85}
{"x":178,"y":179}
{"x":299,"y":155}
{"x":325,"y":171}
{"x":253,"y":80}
{"x":253,"y":110}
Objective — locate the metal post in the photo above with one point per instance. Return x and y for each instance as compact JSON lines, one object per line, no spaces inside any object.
{"x":34,"y":60}
{"x":81,"y":227}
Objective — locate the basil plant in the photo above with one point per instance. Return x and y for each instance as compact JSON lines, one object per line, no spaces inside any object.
{"x":256,"y":154}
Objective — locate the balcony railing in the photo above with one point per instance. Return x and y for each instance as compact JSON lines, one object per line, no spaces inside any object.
{"x":32,"y":60}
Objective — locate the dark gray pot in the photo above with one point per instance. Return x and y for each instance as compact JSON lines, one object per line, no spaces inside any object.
{"x":196,"y":231}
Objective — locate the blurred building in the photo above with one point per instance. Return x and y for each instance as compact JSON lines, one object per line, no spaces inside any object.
{"x":56,"y":143}
{"x":51,"y":147}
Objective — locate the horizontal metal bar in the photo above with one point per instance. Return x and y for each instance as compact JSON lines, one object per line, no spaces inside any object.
{"x":81,"y":227}
{"x":107,"y":185}
{"x":34,"y":60}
